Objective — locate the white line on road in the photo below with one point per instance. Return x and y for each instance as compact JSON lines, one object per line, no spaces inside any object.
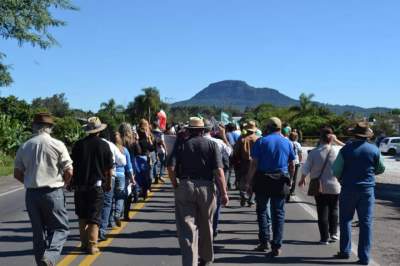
{"x":314,"y":214}
{"x":11,"y":191}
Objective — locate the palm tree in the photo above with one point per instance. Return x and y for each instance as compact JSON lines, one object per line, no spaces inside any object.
{"x":111,"y":108}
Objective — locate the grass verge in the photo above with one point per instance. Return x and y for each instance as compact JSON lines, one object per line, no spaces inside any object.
{"x":6,"y":164}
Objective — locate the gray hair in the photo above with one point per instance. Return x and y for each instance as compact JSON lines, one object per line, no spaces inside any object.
{"x":38,"y":128}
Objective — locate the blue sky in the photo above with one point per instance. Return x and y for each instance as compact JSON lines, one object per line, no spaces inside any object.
{"x":343,"y":51}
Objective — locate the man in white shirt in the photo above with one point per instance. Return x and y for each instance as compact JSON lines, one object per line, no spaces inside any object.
{"x":44,"y":166}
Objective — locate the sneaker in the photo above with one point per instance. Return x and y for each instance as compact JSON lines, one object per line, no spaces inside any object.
{"x":334,"y":238}
{"x":360,"y":262}
{"x":262,"y":247}
{"x":250,"y":203}
{"x":342,"y":256}
{"x":324,"y":242}
{"x":242,"y":202}
{"x":276,"y":252}
{"x":45,"y":262}
{"x":118,"y":222}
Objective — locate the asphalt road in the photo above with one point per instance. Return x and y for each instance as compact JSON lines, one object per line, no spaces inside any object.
{"x":150,"y":238}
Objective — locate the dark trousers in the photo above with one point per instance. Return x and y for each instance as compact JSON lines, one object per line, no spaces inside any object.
{"x":294,"y":179}
{"x":328,"y":215}
{"x":49,"y":219}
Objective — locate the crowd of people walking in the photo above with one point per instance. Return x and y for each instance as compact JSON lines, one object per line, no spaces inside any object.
{"x":108,"y":170}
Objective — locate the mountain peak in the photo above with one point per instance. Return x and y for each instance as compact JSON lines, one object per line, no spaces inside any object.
{"x":237,"y":94}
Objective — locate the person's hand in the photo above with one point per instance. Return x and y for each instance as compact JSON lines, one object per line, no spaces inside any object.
{"x":133,"y":181}
{"x":302,"y":182}
{"x":221,"y":128}
{"x":224,"y":199}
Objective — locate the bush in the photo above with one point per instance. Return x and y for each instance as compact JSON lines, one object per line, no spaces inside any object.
{"x":6,"y":164}
{"x":12,"y":134}
{"x":68,"y":130}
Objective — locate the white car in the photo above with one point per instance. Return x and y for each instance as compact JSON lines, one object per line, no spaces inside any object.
{"x":390,"y":145}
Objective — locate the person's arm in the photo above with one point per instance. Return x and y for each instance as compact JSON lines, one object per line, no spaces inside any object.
{"x":223,"y":134}
{"x":171,"y":164}
{"x":129,"y":167}
{"x":305,"y":171}
{"x":220,"y":179}
{"x":19,"y":175}
{"x":19,"y":167}
{"x":337,"y":141}
{"x":67,"y":175}
{"x":380,"y":168}
{"x":291,"y":168}
{"x":300,"y":152}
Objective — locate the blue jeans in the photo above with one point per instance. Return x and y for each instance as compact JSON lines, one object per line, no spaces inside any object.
{"x":106,"y":211}
{"x":361,"y":201}
{"x":159,"y":166}
{"x":119,"y":195}
{"x":49,"y":219}
{"x":270,"y":210}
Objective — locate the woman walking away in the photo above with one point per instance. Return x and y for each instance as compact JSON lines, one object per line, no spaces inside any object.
{"x":293,"y":137}
{"x":319,"y":167}
{"x":147,"y":156}
{"x":123,"y":177}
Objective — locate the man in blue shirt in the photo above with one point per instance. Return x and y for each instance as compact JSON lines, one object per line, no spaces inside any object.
{"x":269,"y":177}
{"x":356,"y":166}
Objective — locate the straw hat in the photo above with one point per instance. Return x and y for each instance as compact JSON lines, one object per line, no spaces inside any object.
{"x":94,"y":125}
{"x":195,"y":122}
{"x":251,"y":126}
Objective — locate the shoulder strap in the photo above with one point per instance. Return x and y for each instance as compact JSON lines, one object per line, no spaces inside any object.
{"x":325,"y":162}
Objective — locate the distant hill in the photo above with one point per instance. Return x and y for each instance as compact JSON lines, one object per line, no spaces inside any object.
{"x":239,"y":95}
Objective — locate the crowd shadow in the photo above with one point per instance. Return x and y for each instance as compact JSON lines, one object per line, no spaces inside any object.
{"x":388,"y":192}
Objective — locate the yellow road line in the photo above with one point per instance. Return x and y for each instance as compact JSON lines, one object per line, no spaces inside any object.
{"x":89,"y":259}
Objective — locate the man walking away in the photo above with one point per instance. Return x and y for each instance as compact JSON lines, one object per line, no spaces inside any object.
{"x":356,"y":166}
{"x":93,"y":162}
{"x":269,"y":174}
{"x":44,"y":166}
{"x":195,"y":162}
{"x":243,"y":159}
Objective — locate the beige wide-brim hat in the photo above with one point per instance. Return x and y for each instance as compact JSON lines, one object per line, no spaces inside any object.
{"x":94,"y":125}
{"x":196,"y":122}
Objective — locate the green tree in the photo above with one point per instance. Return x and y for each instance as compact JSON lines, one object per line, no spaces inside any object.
{"x":56,"y":104}
{"x":145,"y":105}
{"x":28,"y":21}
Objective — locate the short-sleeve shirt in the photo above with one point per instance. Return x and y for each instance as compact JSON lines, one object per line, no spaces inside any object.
{"x":197,"y":157}
{"x":92,"y":156}
{"x":43,"y":160}
{"x":273,"y":153}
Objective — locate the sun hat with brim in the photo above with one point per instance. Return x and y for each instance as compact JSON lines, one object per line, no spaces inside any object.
{"x":362,"y":130}
{"x":251,"y":126}
{"x":274,"y":123}
{"x":195,"y":122}
{"x":94,"y":125}
{"x":43,"y":118}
